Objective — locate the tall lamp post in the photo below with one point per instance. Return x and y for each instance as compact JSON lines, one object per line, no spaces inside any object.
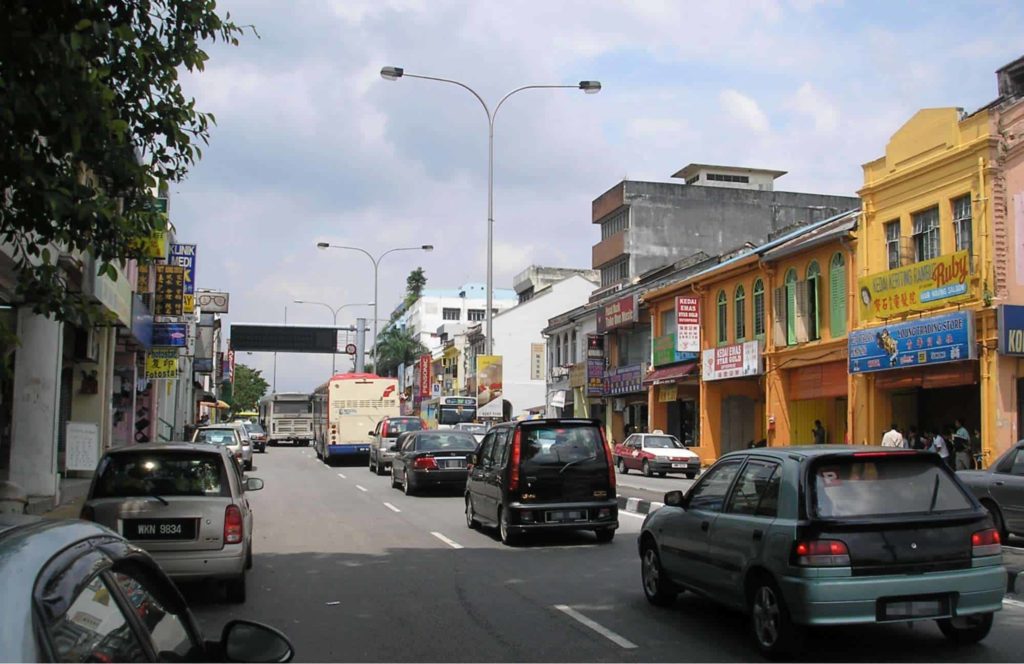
{"x":376,"y":266}
{"x":334,"y":312}
{"x":589,"y":87}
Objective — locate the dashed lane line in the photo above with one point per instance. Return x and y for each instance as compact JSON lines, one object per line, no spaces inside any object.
{"x":449,"y":542}
{"x":597,"y":627}
{"x":392,"y":507}
{"x":361,"y":488}
{"x":342,"y":476}
{"x":1013,"y":602}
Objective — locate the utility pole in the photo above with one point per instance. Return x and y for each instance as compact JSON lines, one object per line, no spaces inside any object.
{"x":361,"y":346}
{"x":274,"y":388}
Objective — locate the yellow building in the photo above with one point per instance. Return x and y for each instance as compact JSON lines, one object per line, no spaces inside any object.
{"x":931,"y":265}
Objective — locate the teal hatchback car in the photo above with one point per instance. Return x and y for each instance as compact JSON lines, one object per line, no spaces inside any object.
{"x":828,"y":535}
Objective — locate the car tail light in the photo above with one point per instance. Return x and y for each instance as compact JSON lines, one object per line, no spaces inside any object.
{"x":425,"y":463}
{"x":232,"y":525}
{"x":384,"y":430}
{"x":861,"y":455}
{"x":821,"y":553}
{"x":608,"y":456}
{"x":986,"y":543}
{"x":88,"y":513}
{"x":517,"y":440}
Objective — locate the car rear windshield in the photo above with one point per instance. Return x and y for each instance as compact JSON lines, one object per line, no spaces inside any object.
{"x":558,"y":445}
{"x":668,"y":442}
{"x":438,"y":442}
{"x":163,"y":474}
{"x":254,"y":428}
{"x":853,"y":487}
{"x":396,"y":427}
{"x":215,"y":436}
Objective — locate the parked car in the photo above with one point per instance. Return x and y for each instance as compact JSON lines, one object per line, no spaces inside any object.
{"x":543,"y":475}
{"x":478,"y":430}
{"x":1000,"y":489}
{"x":828,"y":535}
{"x":79,"y":592}
{"x":431,"y":458}
{"x":257,"y":434}
{"x":656,"y":452}
{"x":383,"y":438}
{"x":233,"y":436}
{"x":185,"y":503}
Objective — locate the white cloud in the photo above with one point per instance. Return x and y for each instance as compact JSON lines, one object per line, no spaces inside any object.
{"x":810,"y":102}
{"x":744,"y":110}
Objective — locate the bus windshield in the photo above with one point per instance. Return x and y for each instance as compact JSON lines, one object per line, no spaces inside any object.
{"x":292,"y":407}
{"x":456,"y":414}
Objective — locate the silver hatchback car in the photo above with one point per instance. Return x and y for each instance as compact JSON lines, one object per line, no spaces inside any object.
{"x":234,"y":436}
{"x":184,"y":503}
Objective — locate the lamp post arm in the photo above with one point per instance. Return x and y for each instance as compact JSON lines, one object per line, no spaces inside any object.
{"x":487,"y":110}
{"x":528,"y":87}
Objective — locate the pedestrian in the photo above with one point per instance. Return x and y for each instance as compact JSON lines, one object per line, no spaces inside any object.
{"x":913,"y":440}
{"x":940,"y":446}
{"x":818,"y":432}
{"x":892,"y":437}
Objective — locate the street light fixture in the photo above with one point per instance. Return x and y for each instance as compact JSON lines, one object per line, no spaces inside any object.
{"x":376,"y":268}
{"x":588,"y":87}
{"x":334,"y":312}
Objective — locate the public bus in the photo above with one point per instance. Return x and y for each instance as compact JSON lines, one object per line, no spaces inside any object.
{"x":455,"y":410}
{"x":346,"y":408}
{"x":287,"y":417}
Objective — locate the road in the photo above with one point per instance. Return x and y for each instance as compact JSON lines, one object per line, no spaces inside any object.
{"x":353,"y":570}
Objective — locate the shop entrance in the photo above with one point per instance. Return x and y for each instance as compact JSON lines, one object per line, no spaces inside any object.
{"x":830,"y":412}
{"x":634,"y":418}
{"x":683,"y":422}
{"x":738,"y":417}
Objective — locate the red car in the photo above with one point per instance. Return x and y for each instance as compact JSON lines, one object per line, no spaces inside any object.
{"x":658,"y":453}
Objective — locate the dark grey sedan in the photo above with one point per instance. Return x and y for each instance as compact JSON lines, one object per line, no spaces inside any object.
{"x":1000,"y":489}
{"x":431,"y":458}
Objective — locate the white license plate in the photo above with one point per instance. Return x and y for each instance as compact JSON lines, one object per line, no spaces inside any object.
{"x":679,"y":465}
{"x":927,"y":608}
{"x":455,"y":464}
{"x":568,"y":515}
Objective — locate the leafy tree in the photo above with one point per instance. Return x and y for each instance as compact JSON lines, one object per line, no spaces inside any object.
{"x":249,"y":388}
{"x":414,"y":285}
{"x":397,"y":346}
{"x":93,"y":121}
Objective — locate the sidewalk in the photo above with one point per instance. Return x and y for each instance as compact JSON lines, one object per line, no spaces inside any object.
{"x":72,"y":495}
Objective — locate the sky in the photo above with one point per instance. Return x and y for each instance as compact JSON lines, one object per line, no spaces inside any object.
{"x":312,"y":145}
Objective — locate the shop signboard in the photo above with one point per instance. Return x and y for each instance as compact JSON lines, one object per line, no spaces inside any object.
{"x":733,"y":361}
{"x":624,"y":380}
{"x":595,"y":377}
{"x":666,"y":351}
{"x":1011,"y":329}
{"x":213,"y":302}
{"x":918,"y":287}
{"x":687,"y":324}
{"x":115,"y":294}
{"x":203,"y":365}
{"x":142,"y":322}
{"x":143,"y":279}
{"x":578,"y":375}
{"x":488,"y":378}
{"x":932,"y":340}
{"x":668,"y":393}
{"x":170,"y":334}
{"x":424,"y":375}
{"x":162,"y":363}
{"x":184,"y":256}
{"x":169,"y":291}
{"x":595,"y":345}
{"x":620,"y":313}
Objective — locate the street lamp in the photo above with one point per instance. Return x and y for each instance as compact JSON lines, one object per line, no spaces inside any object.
{"x":376,"y":265}
{"x":334,"y":312}
{"x":589,"y":87}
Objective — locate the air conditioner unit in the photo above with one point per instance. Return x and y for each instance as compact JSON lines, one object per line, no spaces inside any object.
{"x":87,"y":345}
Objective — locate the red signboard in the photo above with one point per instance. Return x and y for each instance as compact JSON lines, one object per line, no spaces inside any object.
{"x":687,"y":324}
{"x":425,"y":368}
{"x":620,"y":313}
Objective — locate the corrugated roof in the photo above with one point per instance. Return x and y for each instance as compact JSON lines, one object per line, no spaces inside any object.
{"x":826,"y":233}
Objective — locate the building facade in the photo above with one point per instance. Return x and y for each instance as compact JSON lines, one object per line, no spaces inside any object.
{"x":435,"y":307}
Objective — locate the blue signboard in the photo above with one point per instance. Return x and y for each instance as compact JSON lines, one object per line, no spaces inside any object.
{"x":170,"y":334}
{"x":1011,"y":329}
{"x":142,"y":322}
{"x":203,"y":365}
{"x":932,"y":340}
{"x":185,"y":256}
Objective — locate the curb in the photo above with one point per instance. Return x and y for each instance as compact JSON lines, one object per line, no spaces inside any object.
{"x":638,"y":505}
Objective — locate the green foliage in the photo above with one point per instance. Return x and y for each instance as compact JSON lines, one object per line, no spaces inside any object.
{"x":249,"y":388}
{"x":92,"y":121}
{"x":397,"y":346}
{"x":414,"y":285}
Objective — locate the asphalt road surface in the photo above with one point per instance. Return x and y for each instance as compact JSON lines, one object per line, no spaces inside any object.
{"x":353,"y":570}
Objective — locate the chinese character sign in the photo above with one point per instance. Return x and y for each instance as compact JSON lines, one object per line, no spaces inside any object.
{"x":169,"y":290}
{"x":688,"y":324}
{"x":933,"y":340}
{"x":162,"y":364}
{"x":924,"y":285}
{"x":735,"y":361}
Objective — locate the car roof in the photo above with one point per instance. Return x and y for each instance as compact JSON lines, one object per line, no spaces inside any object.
{"x":221,"y":425}
{"x":170,"y":446}
{"x":552,"y":421}
{"x":801,"y":452}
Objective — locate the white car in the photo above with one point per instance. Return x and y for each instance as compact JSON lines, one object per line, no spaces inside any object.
{"x":656,"y":452}
{"x":478,"y":430}
{"x":234,"y":436}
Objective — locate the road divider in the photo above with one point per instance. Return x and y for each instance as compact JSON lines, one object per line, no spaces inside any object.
{"x":449,"y":542}
{"x":597,"y":627}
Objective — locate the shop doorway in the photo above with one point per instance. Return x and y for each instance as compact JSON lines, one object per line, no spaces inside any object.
{"x":737,"y":424}
{"x":804,"y":412}
{"x":683,"y":422}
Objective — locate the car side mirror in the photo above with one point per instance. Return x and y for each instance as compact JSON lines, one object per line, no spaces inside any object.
{"x":674,"y":499}
{"x":247,"y":641}
{"x":253,"y":484}
{"x":370,"y":433}
{"x":471,"y":459}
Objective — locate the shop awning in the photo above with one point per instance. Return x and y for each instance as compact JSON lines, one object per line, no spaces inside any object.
{"x":222,"y":405}
{"x":667,"y":375}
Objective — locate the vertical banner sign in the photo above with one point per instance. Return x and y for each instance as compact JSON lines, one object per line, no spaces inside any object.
{"x":142,"y":281}
{"x":688,"y":324}
{"x":425,"y":375}
{"x":169,"y":291}
{"x":488,"y":378}
{"x":231,"y":365}
{"x":184,"y":256}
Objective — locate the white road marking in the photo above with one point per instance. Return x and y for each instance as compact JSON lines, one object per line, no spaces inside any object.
{"x":451,"y":543}
{"x":1016,"y":549}
{"x":361,"y":488}
{"x":392,"y":507}
{"x":597,"y":627}
{"x":342,"y":476}
{"x":635,"y":516}
{"x":1013,"y":602}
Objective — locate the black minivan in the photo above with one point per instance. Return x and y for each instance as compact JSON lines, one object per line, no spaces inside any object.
{"x":543,"y":475}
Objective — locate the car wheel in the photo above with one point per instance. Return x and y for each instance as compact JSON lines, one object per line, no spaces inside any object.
{"x":662,"y":474}
{"x":248,"y":557}
{"x":471,"y":521}
{"x":691,"y":476}
{"x":381,"y":468}
{"x":394,"y":480}
{"x":248,"y":465}
{"x":647,"y":469}
{"x":236,"y":589}
{"x":605,"y":534}
{"x":657,"y":588}
{"x":622,"y":466}
{"x":372,"y":466}
{"x":997,"y":520}
{"x":774,"y":631}
{"x":508,"y":538}
{"x":407,"y":487}
{"x":967,"y":629}
{"x":305,"y":443}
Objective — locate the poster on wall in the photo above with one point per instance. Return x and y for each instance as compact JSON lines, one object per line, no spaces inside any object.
{"x":688,"y":324}
{"x":83,"y":446}
{"x":932,"y":340}
{"x":488,"y":378}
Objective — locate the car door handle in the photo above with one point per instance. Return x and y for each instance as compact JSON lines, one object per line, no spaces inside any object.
{"x":704,"y":525}
{"x":758,"y":534}
{"x":1000,"y":483}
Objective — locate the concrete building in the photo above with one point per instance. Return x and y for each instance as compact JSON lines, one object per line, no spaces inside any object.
{"x":646,"y":225}
{"x":435,"y":307}
{"x":535,"y":278}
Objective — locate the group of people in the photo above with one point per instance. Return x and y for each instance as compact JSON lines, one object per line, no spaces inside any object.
{"x":953,"y":443}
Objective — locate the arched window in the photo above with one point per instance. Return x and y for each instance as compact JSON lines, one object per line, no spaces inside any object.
{"x":723,"y":323}
{"x":740,"y":305}
{"x":790,"y":307}
{"x":837,"y":296}
{"x":813,"y":301}
{"x":759,"y":309}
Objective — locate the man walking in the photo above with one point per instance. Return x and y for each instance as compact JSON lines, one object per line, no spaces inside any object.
{"x":940,"y":445}
{"x":819,"y":433}
{"x":892,"y":437}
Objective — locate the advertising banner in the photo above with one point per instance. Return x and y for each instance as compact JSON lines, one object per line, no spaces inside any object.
{"x":115,"y":295}
{"x":162,"y":363}
{"x":578,"y":374}
{"x":688,"y":324}
{"x":624,"y":380}
{"x":932,"y":340}
{"x":620,"y":313}
{"x":170,"y":334}
{"x":213,"y":302}
{"x":1011,"y":329}
{"x":595,"y":377}
{"x":595,"y":346}
{"x":203,"y":365}
{"x":488,"y":378}
{"x":424,"y":374}
{"x":925,"y":285}
{"x":735,"y":361}
{"x":184,"y":256}
{"x":144,"y":279}
{"x":666,"y":351}
{"x":169,"y":290}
